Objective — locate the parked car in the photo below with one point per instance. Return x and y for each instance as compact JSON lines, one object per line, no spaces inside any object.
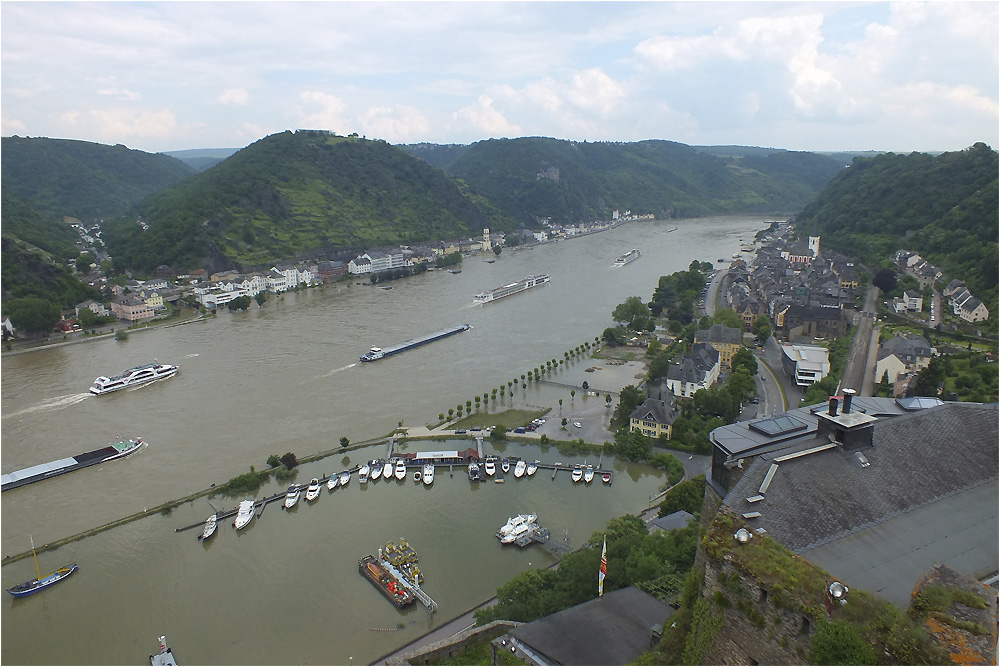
{"x":519,"y":429}
{"x":460,"y":431}
{"x":577,"y":424}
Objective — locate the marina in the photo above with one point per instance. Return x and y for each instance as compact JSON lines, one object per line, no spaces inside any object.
{"x":116,"y":450}
{"x":377,"y":353}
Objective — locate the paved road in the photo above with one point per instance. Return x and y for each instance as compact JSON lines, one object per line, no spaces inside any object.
{"x":856,"y":365}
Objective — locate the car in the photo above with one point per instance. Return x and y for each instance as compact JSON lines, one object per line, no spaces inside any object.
{"x":460,"y":431}
{"x":755,"y":400}
{"x":577,"y":424}
{"x":475,"y":428}
{"x":530,"y":428}
{"x":519,"y":429}
{"x":764,"y":379}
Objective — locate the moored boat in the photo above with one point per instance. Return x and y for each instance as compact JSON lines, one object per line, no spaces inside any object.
{"x":577,"y":473}
{"x":400,"y":468}
{"x":387,"y":470}
{"x":606,"y":478}
{"x":211,"y":523}
{"x":41,"y":582}
{"x":505,"y":465}
{"x":244,"y":515}
{"x":473,"y":472}
{"x":588,"y":474}
{"x":292,"y":496}
{"x":345,"y":477}
{"x":387,"y":583}
{"x":312,"y":491}
{"x":164,"y":657}
{"x":514,"y":523}
{"x":331,"y":482}
{"x":520,"y":468}
{"x":532,"y":468}
{"x":133,"y":377}
{"x":363,"y":473}
{"x":428,"y":473}
{"x":491,"y":466}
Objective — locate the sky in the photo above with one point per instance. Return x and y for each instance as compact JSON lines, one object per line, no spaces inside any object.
{"x":808,"y":76}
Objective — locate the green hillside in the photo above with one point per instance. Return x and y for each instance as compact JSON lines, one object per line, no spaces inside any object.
{"x":299,"y":192}
{"x":80,"y":179}
{"x":660,"y":177}
{"x":944,"y":207}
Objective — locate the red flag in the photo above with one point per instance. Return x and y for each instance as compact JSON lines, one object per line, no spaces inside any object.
{"x":604,"y":569}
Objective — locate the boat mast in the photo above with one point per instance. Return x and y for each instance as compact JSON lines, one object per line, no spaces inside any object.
{"x":38,"y":571}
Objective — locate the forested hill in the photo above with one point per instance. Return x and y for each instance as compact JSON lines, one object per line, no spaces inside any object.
{"x":943,"y":207}
{"x":80,"y":179}
{"x":300,"y":192}
{"x":570,"y":181}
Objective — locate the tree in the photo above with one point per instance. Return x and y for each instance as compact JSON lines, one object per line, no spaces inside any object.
{"x":761,"y":328}
{"x":289,"y":460}
{"x":344,"y":442}
{"x":629,"y":399}
{"x":631,"y":310}
{"x":84,"y":261}
{"x":885,"y":280}
{"x":686,"y":496}
{"x":239,"y":303}
{"x":497,"y":250}
{"x":744,"y":359}
{"x":261,"y":298}
{"x":32,"y":315}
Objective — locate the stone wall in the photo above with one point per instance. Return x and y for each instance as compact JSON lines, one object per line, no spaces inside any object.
{"x":755,"y":630}
{"x":452,"y":646}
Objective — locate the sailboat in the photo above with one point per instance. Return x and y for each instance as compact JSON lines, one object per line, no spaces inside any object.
{"x":35,"y":585}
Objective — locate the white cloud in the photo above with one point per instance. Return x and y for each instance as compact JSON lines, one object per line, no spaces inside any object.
{"x":9,"y":126}
{"x":115,"y":125}
{"x":482,"y":118}
{"x":321,"y":111}
{"x":234,"y":96}
{"x":593,"y":89}
{"x":402,"y":124}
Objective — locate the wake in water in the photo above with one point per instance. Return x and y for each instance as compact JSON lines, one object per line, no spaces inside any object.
{"x":193,"y":354}
{"x":54,"y":403}
{"x":337,"y":370}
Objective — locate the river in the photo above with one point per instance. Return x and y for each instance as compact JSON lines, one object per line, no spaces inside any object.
{"x":286,"y":377}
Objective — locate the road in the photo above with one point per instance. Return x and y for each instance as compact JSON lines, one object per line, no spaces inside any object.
{"x":856,"y":365}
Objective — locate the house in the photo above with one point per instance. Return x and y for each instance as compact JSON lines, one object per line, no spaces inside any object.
{"x":614,"y":629}
{"x":654,"y":418}
{"x":914,"y":300}
{"x":330,"y":271}
{"x":96,"y":308}
{"x":973,"y":310}
{"x":699,"y":369}
{"x":806,"y":364}
{"x":815,"y":321}
{"x":131,"y":308}
{"x":153,"y":299}
{"x":952,"y":288}
{"x":724,"y":339}
{"x":360,"y":265}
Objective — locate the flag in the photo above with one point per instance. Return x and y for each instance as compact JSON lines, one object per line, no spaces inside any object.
{"x":604,"y":569}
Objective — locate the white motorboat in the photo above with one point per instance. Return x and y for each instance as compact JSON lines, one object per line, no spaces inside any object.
{"x":400,"y":469}
{"x":473,"y":472}
{"x":387,"y":470}
{"x":428,"y":473}
{"x":588,"y":474}
{"x":133,"y":377}
{"x":211,"y":523}
{"x":376,"y":472}
{"x":491,"y":466}
{"x":244,"y":515}
{"x":312,"y":491}
{"x":505,"y":465}
{"x":363,"y":473}
{"x":345,"y":477}
{"x":520,"y":468}
{"x":516,"y":527}
{"x":331,"y":482}
{"x":292,"y":496}
{"x":532,"y":468}
{"x":577,"y":473}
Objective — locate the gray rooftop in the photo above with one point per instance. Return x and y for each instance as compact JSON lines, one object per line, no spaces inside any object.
{"x":611,"y":630}
{"x":929,"y":495}
{"x":678,"y":519}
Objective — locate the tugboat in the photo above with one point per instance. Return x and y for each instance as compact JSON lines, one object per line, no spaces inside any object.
{"x":165,"y":656}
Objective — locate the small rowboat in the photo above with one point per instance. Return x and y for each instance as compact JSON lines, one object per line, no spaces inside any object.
{"x":606,"y":478}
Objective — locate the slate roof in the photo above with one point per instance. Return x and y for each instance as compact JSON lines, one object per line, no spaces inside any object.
{"x":655,"y":410}
{"x":719,"y":333}
{"x":693,"y":367}
{"x":678,"y":519}
{"x":610,"y":630}
{"x":929,"y":495}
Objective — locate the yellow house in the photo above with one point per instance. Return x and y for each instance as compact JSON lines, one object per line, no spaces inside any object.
{"x":724,"y":339}
{"x":154,"y":300}
{"x":654,"y":418}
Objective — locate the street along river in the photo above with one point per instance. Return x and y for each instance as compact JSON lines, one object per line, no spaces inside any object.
{"x":286,"y":377}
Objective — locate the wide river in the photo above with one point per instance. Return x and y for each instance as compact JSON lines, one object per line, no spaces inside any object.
{"x":286,"y":377}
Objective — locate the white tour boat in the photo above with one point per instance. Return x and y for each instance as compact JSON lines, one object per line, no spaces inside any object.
{"x":510,"y":288}
{"x":630,"y":256}
{"x":133,"y":377}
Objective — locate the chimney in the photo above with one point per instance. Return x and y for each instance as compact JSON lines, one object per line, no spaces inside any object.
{"x":848,"y":395}
{"x":833,"y":406}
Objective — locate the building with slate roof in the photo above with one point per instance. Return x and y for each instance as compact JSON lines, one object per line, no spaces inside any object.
{"x":678,"y":519}
{"x":724,"y":339}
{"x":611,"y":630}
{"x":875,"y":493}
{"x":698,"y":369}
{"x":654,"y":417}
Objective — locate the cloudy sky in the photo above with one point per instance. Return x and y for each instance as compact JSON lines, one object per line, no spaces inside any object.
{"x":162,"y":76}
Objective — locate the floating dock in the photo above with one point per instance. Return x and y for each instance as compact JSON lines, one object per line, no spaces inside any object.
{"x":115,"y":450}
{"x":394,"y":572}
{"x":377,"y":353}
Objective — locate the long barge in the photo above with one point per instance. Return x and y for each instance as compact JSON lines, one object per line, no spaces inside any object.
{"x":377,"y":353}
{"x":115,"y":450}
{"x":380,"y":577}
{"x":510,"y":288}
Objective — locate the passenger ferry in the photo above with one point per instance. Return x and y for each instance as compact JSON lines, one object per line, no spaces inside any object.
{"x":630,"y":256}
{"x":133,"y":377}
{"x":511,"y":288}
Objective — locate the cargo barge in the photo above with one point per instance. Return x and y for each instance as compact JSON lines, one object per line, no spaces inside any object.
{"x":377,"y":353}
{"x":380,"y":577}
{"x":510,"y":288}
{"x":115,"y":450}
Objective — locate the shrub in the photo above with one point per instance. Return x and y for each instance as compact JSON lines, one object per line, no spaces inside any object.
{"x":840,"y":643}
{"x":289,"y":460}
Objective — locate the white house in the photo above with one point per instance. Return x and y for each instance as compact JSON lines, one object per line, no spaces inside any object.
{"x":699,"y":369}
{"x":360,"y":265}
{"x":806,"y":364}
